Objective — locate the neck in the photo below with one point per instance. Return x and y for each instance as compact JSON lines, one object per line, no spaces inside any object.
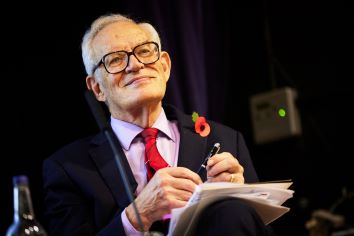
{"x":144,"y":116}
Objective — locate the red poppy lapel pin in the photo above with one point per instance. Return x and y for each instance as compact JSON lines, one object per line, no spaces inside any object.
{"x":200,"y":125}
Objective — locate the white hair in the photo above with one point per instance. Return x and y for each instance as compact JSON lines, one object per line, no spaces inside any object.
{"x":88,"y":53}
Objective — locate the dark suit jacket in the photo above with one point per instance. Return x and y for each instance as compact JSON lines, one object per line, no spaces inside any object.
{"x":84,"y":192}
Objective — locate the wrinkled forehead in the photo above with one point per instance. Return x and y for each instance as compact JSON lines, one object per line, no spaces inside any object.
{"x":119,"y":36}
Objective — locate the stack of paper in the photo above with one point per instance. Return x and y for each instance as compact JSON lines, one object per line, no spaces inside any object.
{"x":267,"y":199}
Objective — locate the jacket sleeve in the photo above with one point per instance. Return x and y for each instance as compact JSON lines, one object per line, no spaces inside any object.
{"x":67,"y":211}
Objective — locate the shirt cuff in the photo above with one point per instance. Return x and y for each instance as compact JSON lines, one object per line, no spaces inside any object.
{"x":128,"y":228}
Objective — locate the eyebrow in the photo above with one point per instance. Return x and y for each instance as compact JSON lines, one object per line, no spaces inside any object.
{"x":116,"y":50}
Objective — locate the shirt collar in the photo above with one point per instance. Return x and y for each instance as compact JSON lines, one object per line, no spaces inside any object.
{"x":126,"y":132}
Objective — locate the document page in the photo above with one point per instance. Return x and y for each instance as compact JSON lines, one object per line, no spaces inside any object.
{"x":266,"y":198}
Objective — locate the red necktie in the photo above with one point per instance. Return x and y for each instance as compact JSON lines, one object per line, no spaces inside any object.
{"x":154,"y":162}
{"x":153,"y":159}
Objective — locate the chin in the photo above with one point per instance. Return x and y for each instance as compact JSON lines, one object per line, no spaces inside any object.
{"x":148,"y":99}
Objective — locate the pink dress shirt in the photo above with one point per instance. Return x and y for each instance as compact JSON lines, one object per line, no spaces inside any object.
{"x":133,"y":146}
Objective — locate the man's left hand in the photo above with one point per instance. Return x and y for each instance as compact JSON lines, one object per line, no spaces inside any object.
{"x":224,"y":167}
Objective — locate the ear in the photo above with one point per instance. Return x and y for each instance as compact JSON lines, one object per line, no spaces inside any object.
{"x":166,"y":64}
{"x":93,"y":85}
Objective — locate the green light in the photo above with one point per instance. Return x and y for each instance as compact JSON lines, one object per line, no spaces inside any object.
{"x":282,"y":112}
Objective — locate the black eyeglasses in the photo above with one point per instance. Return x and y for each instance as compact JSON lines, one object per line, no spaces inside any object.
{"x":115,"y":62}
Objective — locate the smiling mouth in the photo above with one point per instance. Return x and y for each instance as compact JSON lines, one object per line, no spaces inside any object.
{"x":139,"y":79}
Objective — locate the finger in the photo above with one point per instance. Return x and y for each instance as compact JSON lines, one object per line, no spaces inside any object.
{"x":162,"y":208}
{"x":160,"y":193}
{"x":171,"y":198}
{"x":224,"y":162}
{"x":176,"y":203}
{"x":179,"y":194}
{"x":181,"y":184}
{"x":227,"y":177}
{"x":222,"y":177}
{"x":239,"y":178}
{"x":184,"y":173}
{"x":219,"y":158}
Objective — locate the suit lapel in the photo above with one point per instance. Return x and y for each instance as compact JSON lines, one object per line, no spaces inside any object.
{"x":192,"y":149}
{"x":102,"y":155}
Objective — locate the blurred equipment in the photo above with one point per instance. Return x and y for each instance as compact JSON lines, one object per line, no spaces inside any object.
{"x":275,"y":115}
{"x":322,"y":221}
{"x":338,"y":221}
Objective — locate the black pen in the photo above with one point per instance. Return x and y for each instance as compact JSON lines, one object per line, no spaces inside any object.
{"x":212,"y":152}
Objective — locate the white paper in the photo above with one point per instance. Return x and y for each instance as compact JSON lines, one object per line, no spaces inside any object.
{"x":266,"y":198}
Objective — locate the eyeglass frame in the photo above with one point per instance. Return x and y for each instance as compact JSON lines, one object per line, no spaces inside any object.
{"x":128,"y":54}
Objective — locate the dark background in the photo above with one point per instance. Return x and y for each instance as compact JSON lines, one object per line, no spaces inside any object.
{"x":220,"y":58}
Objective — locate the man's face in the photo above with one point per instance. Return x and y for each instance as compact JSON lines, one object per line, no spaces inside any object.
{"x":138,"y":85}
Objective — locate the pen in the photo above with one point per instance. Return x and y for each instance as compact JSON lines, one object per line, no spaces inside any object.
{"x":212,"y":152}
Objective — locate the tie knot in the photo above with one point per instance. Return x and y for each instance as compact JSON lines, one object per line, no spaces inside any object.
{"x":149,"y":134}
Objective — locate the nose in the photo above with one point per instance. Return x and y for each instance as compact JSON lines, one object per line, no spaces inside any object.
{"x":133,"y":64}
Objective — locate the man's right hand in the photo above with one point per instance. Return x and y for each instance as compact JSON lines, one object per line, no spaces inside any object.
{"x":169,"y":188}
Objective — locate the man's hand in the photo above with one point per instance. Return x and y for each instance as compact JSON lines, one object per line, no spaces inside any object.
{"x":224,"y":167}
{"x":169,"y":188}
